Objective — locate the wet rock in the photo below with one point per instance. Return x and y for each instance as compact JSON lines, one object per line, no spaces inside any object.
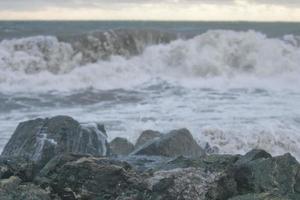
{"x":17,"y":166}
{"x":253,"y":155}
{"x":176,"y":143}
{"x":211,"y":149}
{"x":93,"y":178}
{"x":257,"y":174}
{"x":12,"y":189}
{"x":147,"y":136}
{"x":121,"y":146}
{"x":212,"y":163}
{"x":280,"y":174}
{"x":262,"y":196}
{"x":41,"y":139}
{"x":185,"y":184}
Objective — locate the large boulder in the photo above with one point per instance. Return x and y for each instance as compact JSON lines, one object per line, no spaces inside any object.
{"x":41,"y":139}
{"x":120,"y":146}
{"x":147,"y":136}
{"x":175,"y":143}
{"x":280,"y":174}
{"x":258,"y":175}
{"x":184,"y":184}
{"x":75,"y":177}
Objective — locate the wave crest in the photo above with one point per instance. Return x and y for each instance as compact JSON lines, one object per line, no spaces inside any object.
{"x":119,"y":59}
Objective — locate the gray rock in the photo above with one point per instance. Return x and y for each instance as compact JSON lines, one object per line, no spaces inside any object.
{"x":175,"y":143}
{"x":147,"y":136}
{"x":260,"y":176}
{"x":41,"y":139}
{"x":184,"y":184}
{"x":253,"y":155}
{"x":280,"y":174}
{"x":262,"y":196}
{"x":12,"y":189}
{"x":73,"y":177}
{"x":17,"y":166}
{"x":121,"y":146}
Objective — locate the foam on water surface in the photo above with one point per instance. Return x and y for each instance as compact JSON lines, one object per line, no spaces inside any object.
{"x":234,"y":90}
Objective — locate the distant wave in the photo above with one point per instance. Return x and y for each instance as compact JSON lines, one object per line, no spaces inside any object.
{"x":47,"y":53}
{"x":118,"y":58}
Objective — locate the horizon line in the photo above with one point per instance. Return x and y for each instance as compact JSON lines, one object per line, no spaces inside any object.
{"x":143,"y":20}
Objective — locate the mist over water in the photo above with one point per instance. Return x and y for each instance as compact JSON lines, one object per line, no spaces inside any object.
{"x":235,"y":89}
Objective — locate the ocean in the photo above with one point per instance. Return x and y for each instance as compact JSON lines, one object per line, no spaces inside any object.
{"x":234,"y":85}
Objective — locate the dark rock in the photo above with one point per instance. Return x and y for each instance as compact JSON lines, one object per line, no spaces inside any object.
{"x":145,"y":163}
{"x":268,"y":174}
{"x":92,"y":178}
{"x":211,"y":149}
{"x":121,"y":146}
{"x":176,"y":143}
{"x":212,"y":163}
{"x":259,"y":175}
{"x":147,"y":136}
{"x":17,"y":166}
{"x":12,"y":189}
{"x":253,"y":155}
{"x":41,"y":139}
{"x":223,"y":187}
{"x":262,"y":196}
{"x":184,"y":184}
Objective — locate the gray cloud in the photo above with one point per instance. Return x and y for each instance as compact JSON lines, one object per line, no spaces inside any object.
{"x":27,"y":5}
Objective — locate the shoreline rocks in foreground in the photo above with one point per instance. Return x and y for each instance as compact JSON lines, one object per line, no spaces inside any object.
{"x":75,"y":161}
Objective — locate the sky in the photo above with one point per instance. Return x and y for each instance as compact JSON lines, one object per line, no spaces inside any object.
{"x":207,"y":10}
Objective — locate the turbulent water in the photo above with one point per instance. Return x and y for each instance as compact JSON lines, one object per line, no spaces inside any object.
{"x":234,"y":85}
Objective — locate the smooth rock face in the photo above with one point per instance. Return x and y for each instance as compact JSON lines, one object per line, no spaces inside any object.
{"x":147,"y":136}
{"x":41,"y":139}
{"x":175,"y":143}
{"x":121,"y":146}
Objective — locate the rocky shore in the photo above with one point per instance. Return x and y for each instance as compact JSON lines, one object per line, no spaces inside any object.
{"x":61,"y":159}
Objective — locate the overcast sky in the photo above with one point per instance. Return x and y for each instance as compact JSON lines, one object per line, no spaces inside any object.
{"x":250,"y":10}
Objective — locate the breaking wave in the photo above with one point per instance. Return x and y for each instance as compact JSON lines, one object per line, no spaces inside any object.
{"x":116,"y":59}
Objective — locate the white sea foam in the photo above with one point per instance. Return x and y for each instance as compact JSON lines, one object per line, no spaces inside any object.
{"x":44,"y":63}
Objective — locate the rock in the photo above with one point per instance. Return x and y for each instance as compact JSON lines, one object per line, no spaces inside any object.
{"x":12,"y":189}
{"x":10,"y":184}
{"x":176,"y":143}
{"x":74,"y":177}
{"x":253,"y":155}
{"x":262,"y":196}
{"x":211,"y":163}
{"x":121,"y":146}
{"x":280,"y":174}
{"x":185,"y":184}
{"x":211,"y":149}
{"x":257,"y":175}
{"x":17,"y":166}
{"x":147,"y":136}
{"x":41,"y":139}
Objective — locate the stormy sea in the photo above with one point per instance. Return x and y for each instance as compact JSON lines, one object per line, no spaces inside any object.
{"x":234,"y":85}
